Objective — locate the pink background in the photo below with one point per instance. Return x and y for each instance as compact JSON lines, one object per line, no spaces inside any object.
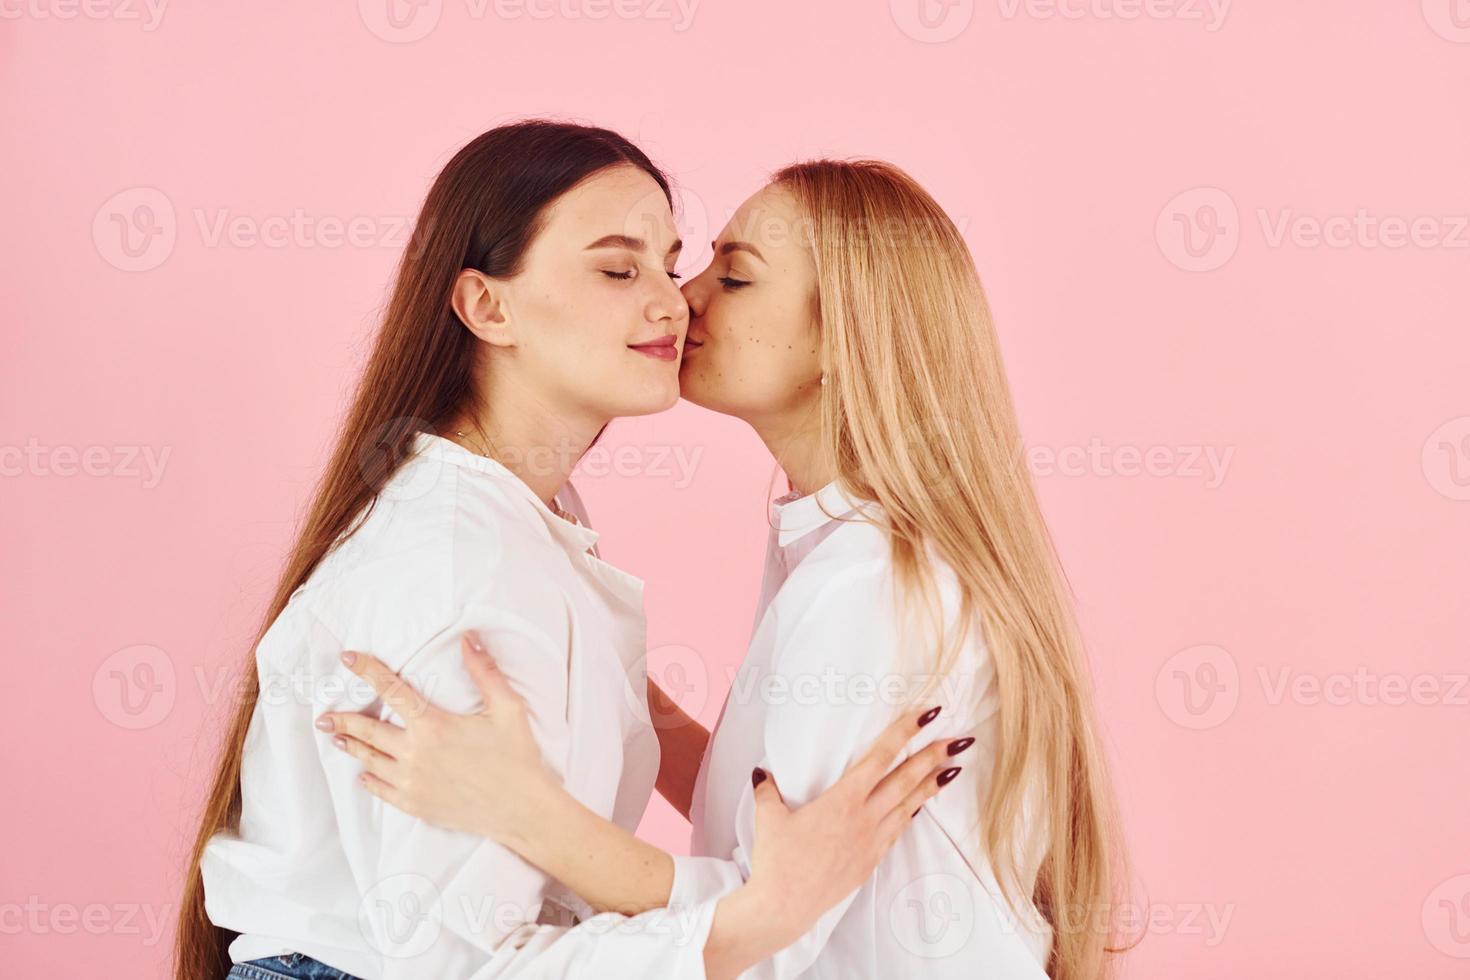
{"x":1279,"y":641}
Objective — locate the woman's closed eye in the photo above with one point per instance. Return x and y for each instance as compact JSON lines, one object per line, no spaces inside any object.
{"x":733,"y":284}
{"x":613,"y":274}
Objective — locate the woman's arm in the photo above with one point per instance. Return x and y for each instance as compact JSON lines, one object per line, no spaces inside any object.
{"x":482,"y":773}
{"x":681,"y":744}
{"x":611,"y":869}
{"x":435,"y":903}
{"x":485,"y":773}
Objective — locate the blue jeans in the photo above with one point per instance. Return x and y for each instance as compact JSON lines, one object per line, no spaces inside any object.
{"x":291,"y":966}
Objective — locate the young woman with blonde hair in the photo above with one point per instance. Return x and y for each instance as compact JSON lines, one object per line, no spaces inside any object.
{"x":842,"y":317}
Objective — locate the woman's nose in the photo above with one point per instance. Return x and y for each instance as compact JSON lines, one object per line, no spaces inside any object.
{"x":670,"y":305}
{"x":694,"y":295}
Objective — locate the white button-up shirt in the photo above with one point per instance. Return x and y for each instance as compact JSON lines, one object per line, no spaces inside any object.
{"x":322,"y":867}
{"x":820,"y":681}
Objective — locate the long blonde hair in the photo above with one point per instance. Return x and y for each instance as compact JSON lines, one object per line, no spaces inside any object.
{"x":917,"y":416}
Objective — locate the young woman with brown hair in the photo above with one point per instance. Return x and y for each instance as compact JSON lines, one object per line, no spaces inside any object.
{"x":535,"y":303}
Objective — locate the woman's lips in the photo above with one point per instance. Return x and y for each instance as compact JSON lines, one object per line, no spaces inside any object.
{"x":664,"y":348}
{"x":691,"y":345}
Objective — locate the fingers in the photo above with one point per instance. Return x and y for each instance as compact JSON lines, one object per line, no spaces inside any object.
{"x":382,"y":766}
{"x":394,"y":690}
{"x":895,"y":787}
{"x":384,"y":791}
{"x":495,"y":690}
{"x":380,"y":735}
{"x":903,"y":814}
{"x":864,"y":774}
{"x":767,"y":795}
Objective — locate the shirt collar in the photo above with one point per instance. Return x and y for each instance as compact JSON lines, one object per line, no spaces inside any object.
{"x":576,"y":537}
{"x":794,"y":516}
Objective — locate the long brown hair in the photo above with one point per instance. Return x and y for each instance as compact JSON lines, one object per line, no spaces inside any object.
{"x":482,"y":212}
{"x":917,"y":415}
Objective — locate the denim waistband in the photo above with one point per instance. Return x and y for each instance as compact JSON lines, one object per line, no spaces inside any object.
{"x":290,"y":966}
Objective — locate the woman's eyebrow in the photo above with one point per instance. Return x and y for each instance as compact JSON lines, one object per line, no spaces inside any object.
{"x":729,"y":247}
{"x":631,"y":243}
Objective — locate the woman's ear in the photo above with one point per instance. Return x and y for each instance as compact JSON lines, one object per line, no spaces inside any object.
{"x":480,"y":303}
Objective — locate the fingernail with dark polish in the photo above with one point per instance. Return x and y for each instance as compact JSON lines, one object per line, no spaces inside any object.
{"x":915,"y":813}
{"x":929,"y":716}
{"x":757,"y":776}
{"x":947,"y":775}
{"x":959,"y":745}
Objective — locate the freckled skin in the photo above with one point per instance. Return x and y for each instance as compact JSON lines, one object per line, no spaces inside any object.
{"x":749,"y":365}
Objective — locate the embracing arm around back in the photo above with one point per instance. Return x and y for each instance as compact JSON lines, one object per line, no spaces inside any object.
{"x":483,"y":773}
{"x":681,"y":745}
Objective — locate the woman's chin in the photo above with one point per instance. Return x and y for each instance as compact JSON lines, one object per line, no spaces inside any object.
{"x":691,"y":388}
{"x":655,"y":400}
{"x":697,"y":392}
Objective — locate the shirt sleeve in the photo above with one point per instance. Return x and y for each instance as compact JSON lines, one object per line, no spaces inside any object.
{"x":825,"y":707}
{"x":441,"y":904}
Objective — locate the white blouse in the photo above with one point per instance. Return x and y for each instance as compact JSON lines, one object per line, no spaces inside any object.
{"x":821,"y":679}
{"x":322,"y":867}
